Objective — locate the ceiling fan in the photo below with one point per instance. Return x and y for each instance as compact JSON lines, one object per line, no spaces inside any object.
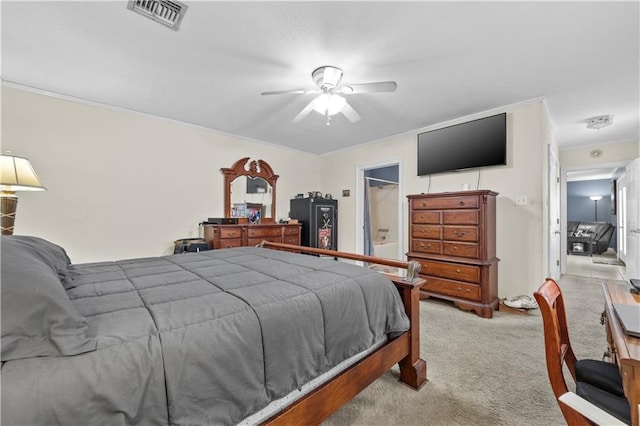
{"x":330,"y":102}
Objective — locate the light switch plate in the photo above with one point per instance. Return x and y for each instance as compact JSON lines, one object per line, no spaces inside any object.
{"x":522,"y":200}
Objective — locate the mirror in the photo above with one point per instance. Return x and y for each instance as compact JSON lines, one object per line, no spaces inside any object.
{"x":250,"y":190}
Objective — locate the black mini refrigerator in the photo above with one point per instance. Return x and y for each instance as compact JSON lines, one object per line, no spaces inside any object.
{"x":319,"y":218}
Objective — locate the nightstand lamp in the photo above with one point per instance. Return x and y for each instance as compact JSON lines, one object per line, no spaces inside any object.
{"x":16,"y":174}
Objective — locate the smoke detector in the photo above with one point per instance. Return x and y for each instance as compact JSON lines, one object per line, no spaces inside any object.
{"x":596,"y":153}
{"x":599,"y":122}
{"x":168,"y":13}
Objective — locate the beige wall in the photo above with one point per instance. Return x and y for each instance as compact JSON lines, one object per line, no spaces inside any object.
{"x":519,"y":234}
{"x":125,"y":185}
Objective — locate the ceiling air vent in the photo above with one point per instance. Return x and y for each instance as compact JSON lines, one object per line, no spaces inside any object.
{"x":166,"y":12}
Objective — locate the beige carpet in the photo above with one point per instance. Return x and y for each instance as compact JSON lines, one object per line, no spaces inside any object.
{"x":482,"y":372}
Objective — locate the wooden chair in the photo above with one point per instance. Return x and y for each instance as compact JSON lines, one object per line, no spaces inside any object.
{"x":599,"y":398}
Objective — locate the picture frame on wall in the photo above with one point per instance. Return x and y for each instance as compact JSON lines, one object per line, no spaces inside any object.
{"x":614,"y":193}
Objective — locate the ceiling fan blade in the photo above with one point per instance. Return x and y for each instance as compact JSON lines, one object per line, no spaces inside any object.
{"x":350,"y":113}
{"x":380,"y":86}
{"x":302,"y":114}
{"x":292,"y":92}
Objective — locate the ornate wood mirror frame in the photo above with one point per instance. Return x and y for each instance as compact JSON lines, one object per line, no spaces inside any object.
{"x":253,"y":169}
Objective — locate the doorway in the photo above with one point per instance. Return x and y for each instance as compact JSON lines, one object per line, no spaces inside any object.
{"x":591,"y":206}
{"x":380,"y":215}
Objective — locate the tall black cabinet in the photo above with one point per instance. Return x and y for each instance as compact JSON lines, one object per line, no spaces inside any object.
{"x":319,"y":218}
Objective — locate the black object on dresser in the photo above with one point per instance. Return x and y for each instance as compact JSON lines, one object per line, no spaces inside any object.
{"x":319,"y":218}
{"x":453,"y":236}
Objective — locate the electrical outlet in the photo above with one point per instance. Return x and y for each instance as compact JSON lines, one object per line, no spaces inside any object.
{"x":522,"y":200}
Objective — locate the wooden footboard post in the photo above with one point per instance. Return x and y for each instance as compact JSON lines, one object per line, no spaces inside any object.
{"x":413,"y":369}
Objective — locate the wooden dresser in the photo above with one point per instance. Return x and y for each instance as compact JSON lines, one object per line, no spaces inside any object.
{"x":453,"y":236}
{"x":225,"y":236}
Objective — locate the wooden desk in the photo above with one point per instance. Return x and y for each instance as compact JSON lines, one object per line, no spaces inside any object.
{"x":625,"y":349}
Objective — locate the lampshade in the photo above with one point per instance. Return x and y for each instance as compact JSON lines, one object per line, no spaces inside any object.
{"x":596,"y":197}
{"x":16,"y":174}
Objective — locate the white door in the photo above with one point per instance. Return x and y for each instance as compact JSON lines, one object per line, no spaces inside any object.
{"x":554,"y":217}
{"x":621,"y":200}
{"x":632,"y":258}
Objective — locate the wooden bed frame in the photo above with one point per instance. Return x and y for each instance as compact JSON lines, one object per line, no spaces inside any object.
{"x":404,"y":350}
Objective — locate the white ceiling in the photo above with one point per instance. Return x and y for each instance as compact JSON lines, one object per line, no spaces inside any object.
{"x":450,"y":59}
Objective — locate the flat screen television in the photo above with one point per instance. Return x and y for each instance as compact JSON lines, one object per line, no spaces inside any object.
{"x":477,"y":143}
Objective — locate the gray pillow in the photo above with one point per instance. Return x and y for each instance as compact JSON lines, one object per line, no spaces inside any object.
{"x":37,"y":317}
{"x":52,"y":254}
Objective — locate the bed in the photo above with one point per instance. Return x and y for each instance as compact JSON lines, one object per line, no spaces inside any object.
{"x":209,"y":338}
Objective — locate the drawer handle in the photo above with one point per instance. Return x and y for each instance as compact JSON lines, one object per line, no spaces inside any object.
{"x":424,"y":204}
{"x":458,"y":271}
{"x":461,"y":234}
{"x":462,"y":203}
{"x":455,"y":248}
{"x":425,"y":246}
{"x":459,"y":288}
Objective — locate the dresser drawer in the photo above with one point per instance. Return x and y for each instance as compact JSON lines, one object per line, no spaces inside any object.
{"x":292,"y":239}
{"x":426,"y":217}
{"x":459,"y":202}
{"x":433,"y":232}
{"x":454,"y":271}
{"x":460,"y":233}
{"x":256,"y":241}
{"x":452,"y":288}
{"x":263,"y":232}
{"x":230,"y":242}
{"x":426,"y":246}
{"x":461,"y":249}
{"x":460,"y":217}
{"x":292,"y":230}
{"x":230,"y":232}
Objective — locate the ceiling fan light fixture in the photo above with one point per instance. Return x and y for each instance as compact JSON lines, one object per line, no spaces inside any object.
{"x":329,"y":104}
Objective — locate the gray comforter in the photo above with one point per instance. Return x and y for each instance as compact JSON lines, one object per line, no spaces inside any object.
{"x":201,"y":338}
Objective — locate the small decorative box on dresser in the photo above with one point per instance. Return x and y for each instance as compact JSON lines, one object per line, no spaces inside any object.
{"x":226,"y":236}
{"x":453,"y":236}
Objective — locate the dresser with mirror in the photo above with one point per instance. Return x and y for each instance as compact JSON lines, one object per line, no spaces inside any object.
{"x":250,"y":209}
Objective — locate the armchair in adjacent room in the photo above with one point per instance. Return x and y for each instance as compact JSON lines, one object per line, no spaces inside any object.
{"x":596,"y":234}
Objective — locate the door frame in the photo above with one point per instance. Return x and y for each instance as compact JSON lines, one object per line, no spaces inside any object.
{"x":360,"y":170}
{"x":554,"y":230}
{"x":563,"y":202}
